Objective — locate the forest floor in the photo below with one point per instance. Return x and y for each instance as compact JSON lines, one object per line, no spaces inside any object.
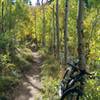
{"x":30,"y":87}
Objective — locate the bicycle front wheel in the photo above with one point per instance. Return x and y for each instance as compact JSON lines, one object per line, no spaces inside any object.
{"x":71,"y":94}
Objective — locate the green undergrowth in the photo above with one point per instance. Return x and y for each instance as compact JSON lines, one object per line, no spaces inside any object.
{"x":12,"y":68}
{"x":7,"y":83}
{"x":24,"y":59}
{"x":43,"y":52}
{"x":92,"y":88}
{"x":51,"y":77}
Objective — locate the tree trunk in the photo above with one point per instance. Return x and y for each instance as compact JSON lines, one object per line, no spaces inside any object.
{"x":38,"y":2}
{"x":44,"y":26}
{"x":66,"y":31}
{"x":54,"y":35}
{"x":2,"y":26}
{"x":57,"y":26}
{"x":35,"y":25}
{"x":81,"y":55}
{"x":10,"y":20}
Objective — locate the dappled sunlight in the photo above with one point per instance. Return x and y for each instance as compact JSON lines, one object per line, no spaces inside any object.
{"x":47,"y":44}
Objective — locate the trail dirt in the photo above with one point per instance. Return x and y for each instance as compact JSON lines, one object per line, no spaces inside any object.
{"x":30,"y":87}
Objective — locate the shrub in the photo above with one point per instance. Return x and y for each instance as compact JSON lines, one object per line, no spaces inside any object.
{"x":92,"y":89}
{"x":50,"y":78}
{"x":7,"y":83}
{"x":24,"y":59}
{"x":43,"y":52}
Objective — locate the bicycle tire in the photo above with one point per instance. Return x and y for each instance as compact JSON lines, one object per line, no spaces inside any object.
{"x":71,"y":91}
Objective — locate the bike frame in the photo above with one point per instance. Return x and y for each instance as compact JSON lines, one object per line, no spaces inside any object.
{"x":77,"y":78}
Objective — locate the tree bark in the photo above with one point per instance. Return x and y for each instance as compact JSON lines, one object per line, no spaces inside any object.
{"x":53,"y":23}
{"x":57,"y":27}
{"x":2,"y":26}
{"x":81,"y":55}
{"x":66,"y":31}
{"x":10,"y":20}
{"x":44,"y":25}
{"x":35,"y":25}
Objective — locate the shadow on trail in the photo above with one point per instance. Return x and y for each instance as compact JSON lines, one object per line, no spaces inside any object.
{"x":30,"y":86}
{"x":34,"y":86}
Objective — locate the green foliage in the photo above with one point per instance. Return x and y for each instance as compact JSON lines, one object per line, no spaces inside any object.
{"x":7,"y":82}
{"x":24,"y":59}
{"x":43,"y":52}
{"x":50,"y":78}
{"x":4,"y":62}
{"x":92,"y":88}
{"x":51,"y":67}
{"x":10,"y":72}
{"x":94,"y":3}
{"x":26,"y":54}
{"x":19,"y":22}
{"x":50,"y":89}
{"x":5,"y":40}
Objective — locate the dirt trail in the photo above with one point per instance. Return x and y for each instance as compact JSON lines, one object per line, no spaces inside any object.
{"x":30,"y":87}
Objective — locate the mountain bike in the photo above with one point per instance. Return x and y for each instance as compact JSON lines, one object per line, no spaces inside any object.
{"x":71,"y":87}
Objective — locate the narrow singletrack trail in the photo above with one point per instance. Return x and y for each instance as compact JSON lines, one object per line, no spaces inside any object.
{"x":30,"y":87}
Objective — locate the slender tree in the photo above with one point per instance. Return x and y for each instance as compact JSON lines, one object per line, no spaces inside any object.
{"x":81,"y":55}
{"x":35,"y":19}
{"x":9,"y":12}
{"x":2,"y":26}
{"x":66,"y":31}
{"x":53,"y":24}
{"x":57,"y":26}
{"x":38,"y":2}
{"x":44,"y":25}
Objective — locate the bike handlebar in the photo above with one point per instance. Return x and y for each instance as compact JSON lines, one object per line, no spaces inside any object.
{"x":77,"y":68}
{"x":73,"y":66}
